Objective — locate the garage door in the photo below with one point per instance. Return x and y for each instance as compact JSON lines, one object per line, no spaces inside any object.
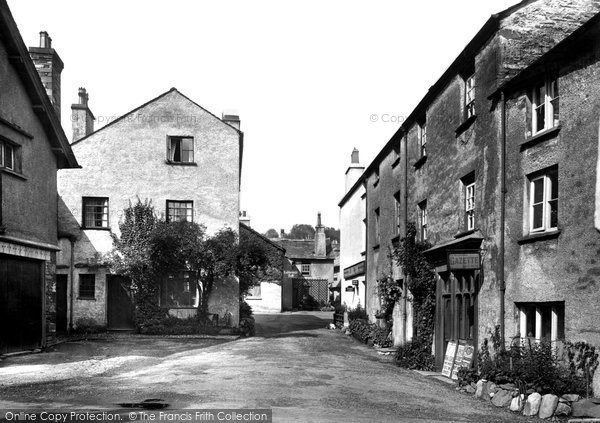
{"x":20,"y":304}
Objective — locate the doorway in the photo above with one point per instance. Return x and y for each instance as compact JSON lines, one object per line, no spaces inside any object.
{"x":119,"y":304}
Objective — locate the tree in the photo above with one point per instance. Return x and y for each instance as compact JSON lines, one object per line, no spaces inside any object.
{"x":301,"y":231}
{"x":332,"y":233}
{"x":272,"y":233}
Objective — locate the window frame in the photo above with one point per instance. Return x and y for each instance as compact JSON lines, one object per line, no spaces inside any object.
{"x":556,"y":311}
{"x":84,"y":294}
{"x":423,"y":220}
{"x":550,"y":103}
{"x":180,"y":202}
{"x":469,"y":97}
{"x":305,"y":269}
{"x":377,"y":213}
{"x":422,"y":125}
{"x":84,"y":206}
{"x":189,"y":291}
{"x":397,"y":211}
{"x":548,"y":185}
{"x":171,"y":150}
{"x":15,"y":150}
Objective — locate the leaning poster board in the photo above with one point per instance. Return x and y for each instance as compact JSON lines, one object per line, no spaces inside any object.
{"x":449,"y":358}
{"x":463,"y":358}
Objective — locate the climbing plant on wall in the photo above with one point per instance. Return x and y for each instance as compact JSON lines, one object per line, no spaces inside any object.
{"x":420,"y":282}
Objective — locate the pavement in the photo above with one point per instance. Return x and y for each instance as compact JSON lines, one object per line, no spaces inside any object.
{"x":294,"y":366}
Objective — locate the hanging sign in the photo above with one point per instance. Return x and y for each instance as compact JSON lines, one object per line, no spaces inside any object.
{"x":449,"y":358}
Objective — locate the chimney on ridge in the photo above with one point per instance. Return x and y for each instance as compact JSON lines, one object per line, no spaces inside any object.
{"x":233,"y":120}
{"x":320,"y":240}
{"x":82,"y":118}
{"x":355,"y":170}
{"x":49,"y":67}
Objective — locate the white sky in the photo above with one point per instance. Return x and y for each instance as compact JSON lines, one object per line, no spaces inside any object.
{"x":304,"y":76}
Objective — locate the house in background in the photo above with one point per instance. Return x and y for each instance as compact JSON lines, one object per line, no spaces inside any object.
{"x":267,"y":295}
{"x":169,"y":150}
{"x":32,"y":147}
{"x":353,"y":236}
{"x":309,"y":270}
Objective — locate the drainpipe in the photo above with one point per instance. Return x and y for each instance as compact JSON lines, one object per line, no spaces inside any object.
{"x":2,"y":228}
{"x":71,"y":274}
{"x":405,"y":315}
{"x":502,"y":215}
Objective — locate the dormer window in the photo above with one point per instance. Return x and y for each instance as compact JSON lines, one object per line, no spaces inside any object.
{"x":544,"y":106}
{"x":180,"y":149}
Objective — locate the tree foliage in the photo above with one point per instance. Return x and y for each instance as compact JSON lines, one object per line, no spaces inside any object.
{"x":301,"y":231}
{"x":272,"y":233}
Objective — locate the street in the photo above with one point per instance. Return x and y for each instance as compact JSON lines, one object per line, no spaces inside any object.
{"x":294,"y":365}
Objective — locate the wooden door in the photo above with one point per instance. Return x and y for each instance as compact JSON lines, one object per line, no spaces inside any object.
{"x":61,"y":303}
{"x":20,"y":304}
{"x":119,"y":305}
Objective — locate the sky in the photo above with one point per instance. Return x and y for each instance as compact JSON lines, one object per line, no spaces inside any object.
{"x":310,"y":80}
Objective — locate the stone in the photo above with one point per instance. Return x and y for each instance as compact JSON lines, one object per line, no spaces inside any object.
{"x":492,"y":387}
{"x":491,"y":394}
{"x":562,"y":410}
{"x":480,"y":390}
{"x":570,"y":397}
{"x":532,"y":406}
{"x":502,"y":398}
{"x":507,"y":386}
{"x":516,"y":404}
{"x":474,"y":385}
{"x":596,"y":383}
{"x":548,"y":406}
{"x":586,"y":408}
{"x":470,"y":389}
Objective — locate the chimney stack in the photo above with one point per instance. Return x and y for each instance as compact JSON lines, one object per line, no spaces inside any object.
{"x":82,"y":118}
{"x":320,"y":240}
{"x":49,"y":67}
{"x":233,"y":120}
{"x":355,"y":170}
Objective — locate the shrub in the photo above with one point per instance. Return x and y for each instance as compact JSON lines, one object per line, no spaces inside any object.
{"x":340,"y":308}
{"x":88,"y":326}
{"x":370,"y":334}
{"x":357,"y":313}
{"x":415,"y":355}
{"x":246,"y":327}
{"x":328,"y":307}
{"x":245,"y":310}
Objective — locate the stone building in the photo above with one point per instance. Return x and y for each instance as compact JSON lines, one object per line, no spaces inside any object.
{"x":169,"y":150}
{"x":32,"y":147}
{"x":308,"y":273}
{"x":465,"y":189}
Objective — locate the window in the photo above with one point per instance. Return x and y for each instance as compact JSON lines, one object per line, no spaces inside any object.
{"x":545,"y":106}
{"x":470,"y":97}
{"x":95,"y":213}
{"x":397,"y":211}
{"x":542,"y":321}
{"x":423,"y":138}
{"x":423,"y":219}
{"x":180,"y":210}
{"x":305,"y":269}
{"x":87,"y":285}
{"x":180,"y":149}
{"x":468,"y":183}
{"x":543,"y":201}
{"x":377,"y":226}
{"x":178,"y":290}
{"x":8,"y":156}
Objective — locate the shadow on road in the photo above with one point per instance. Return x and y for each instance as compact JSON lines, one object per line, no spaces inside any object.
{"x":296,"y":324}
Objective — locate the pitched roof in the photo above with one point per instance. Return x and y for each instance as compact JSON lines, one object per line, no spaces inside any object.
{"x":18,"y":57}
{"x":301,"y":249}
{"x":131,"y":112}
{"x":262,"y":237}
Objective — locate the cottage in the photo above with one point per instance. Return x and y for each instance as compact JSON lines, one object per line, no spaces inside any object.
{"x":32,"y":147}
{"x":169,"y":150}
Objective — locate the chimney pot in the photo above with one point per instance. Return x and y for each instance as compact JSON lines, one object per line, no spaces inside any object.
{"x":83,"y":96}
{"x":45,"y":40}
{"x":354,"y":156}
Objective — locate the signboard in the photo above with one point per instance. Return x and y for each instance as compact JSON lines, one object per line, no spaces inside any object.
{"x":355,"y":282}
{"x":463,"y":260}
{"x":356,"y":270}
{"x":291,"y":273}
{"x":349,"y":289}
{"x":449,"y":358}
{"x":463,"y":358}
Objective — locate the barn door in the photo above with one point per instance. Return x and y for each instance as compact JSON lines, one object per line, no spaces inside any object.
{"x":20,"y":304}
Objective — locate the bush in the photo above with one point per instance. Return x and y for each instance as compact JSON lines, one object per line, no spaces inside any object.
{"x":88,"y":326}
{"x":415,"y":355}
{"x":245,"y":310}
{"x":357,"y":313}
{"x":340,"y":308}
{"x":328,"y":307}
{"x":370,"y":334}
{"x":246,"y":327}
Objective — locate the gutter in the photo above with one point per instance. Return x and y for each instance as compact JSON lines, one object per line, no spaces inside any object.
{"x":502,"y":216}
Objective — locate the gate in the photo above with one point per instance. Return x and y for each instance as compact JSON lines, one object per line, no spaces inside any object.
{"x":309,"y":294}
{"x":20,"y":304}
